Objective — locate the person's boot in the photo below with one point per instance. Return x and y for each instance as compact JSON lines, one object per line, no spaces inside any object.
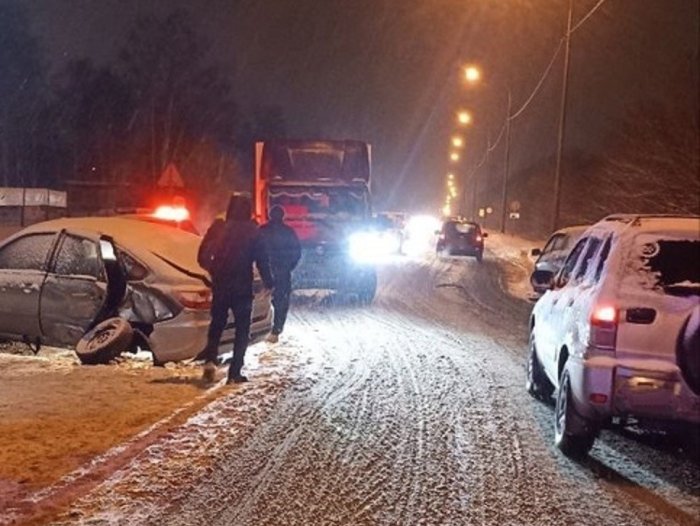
{"x":273,"y":337}
{"x":208,"y":372}
{"x":238,"y":379}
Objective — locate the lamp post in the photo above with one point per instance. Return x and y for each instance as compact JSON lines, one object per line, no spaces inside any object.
{"x":562,"y":120}
{"x":506,"y":167}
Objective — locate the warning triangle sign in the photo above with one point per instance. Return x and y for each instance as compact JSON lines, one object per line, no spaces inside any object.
{"x":171,"y":177}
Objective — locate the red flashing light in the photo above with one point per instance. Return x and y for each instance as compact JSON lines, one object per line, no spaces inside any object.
{"x":172,"y":213}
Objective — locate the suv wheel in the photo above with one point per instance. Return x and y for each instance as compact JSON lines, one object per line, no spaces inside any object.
{"x":537,"y":383}
{"x":573,"y":434}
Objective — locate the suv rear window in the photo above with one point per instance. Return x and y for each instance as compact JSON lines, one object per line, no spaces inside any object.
{"x":461,"y":228}
{"x":670,"y":266}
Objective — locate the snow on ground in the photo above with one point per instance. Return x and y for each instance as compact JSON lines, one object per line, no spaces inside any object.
{"x":411,"y":411}
{"x":61,"y":423}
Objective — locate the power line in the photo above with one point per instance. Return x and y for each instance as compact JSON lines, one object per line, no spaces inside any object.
{"x":542,"y":79}
{"x":588,"y":15}
{"x":540,"y":83}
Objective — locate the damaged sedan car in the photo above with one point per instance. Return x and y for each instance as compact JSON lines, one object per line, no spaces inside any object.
{"x":111,"y":284}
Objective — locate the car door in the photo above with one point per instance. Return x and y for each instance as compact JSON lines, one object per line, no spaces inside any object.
{"x":574,"y":303}
{"x":75,"y":289}
{"x":552,"y":330}
{"x":23,"y":263}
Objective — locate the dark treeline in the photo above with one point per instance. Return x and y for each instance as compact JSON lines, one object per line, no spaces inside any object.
{"x":160,"y":102}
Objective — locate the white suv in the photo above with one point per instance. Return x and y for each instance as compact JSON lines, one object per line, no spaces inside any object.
{"x":618,"y":332}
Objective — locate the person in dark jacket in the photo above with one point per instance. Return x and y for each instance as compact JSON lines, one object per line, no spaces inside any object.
{"x":228,"y":252}
{"x":285,"y":252}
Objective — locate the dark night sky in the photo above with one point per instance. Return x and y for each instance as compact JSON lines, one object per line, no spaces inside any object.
{"x":387,"y":70}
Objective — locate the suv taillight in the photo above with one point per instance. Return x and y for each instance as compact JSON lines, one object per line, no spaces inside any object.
{"x":195,"y":299}
{"x":604,"y":320}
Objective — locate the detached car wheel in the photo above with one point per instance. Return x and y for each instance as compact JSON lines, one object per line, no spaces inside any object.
{"x":104,"y":342}
{"x":537,"y":383}
{"x":573,"y":434}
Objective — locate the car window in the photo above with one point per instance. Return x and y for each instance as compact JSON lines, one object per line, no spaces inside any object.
{"x":666,"y":265}
{"x":571,"y":261}
{"x":78,"y":257}
{"x":553,"y":242}
{"x":588,"y":255}
{"x":135,"y":271}
{"x":27,"y":253}
{"x":604,"y":253}
{"x":465,"y":228}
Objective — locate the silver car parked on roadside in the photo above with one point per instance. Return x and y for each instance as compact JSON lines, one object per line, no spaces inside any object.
{"x":62,"y":280}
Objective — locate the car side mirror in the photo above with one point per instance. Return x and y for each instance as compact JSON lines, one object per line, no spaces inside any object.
{"x":535,"y":252}
{"x":484,"y":235}
{"x":542,"y":279}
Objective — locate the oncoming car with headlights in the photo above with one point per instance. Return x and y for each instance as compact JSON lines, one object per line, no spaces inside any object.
{"x":61,"y":280}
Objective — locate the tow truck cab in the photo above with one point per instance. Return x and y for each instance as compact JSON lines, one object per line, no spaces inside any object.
{"x":324,"y":188}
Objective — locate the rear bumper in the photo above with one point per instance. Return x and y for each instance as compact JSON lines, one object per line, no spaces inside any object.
{"x":642,"y":388}
{"x":183,"y":337}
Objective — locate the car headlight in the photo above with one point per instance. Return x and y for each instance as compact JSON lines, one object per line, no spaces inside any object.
{"x":364,"y":246}
{"x":368,"y":247}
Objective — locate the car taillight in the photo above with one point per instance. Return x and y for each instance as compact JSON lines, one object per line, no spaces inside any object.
{"x":604,"y":327}
{"x":479,"y":239}
{"x":195,"y":299}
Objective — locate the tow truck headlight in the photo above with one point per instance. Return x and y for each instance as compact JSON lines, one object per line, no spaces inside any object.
{"x":365,"y":246}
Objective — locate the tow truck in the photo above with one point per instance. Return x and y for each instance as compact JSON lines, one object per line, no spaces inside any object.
{"x":324,"y":188}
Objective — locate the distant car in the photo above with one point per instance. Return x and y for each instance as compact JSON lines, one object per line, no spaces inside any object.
{"x":553,"y":255}
{"x":618,"y":334}
{"x":111,"y":281}
{"x":458,"y":237}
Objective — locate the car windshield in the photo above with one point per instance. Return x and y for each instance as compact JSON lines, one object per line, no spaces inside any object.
{"x":320,"y":202}
{"x":668,"y":265}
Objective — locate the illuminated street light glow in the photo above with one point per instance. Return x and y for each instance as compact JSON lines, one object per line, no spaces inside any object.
{"x":457,"y":142}
{"x":472,"y":74}
{"x":450,"y":177}
{"x":446,"y":210}
{"x":464,"y":117}
{"x":454,"y":157}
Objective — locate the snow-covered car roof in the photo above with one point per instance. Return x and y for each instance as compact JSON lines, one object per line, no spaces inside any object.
{"x":630,"y":224}
{"x":575,"y":230}
{"x":151,"y":242}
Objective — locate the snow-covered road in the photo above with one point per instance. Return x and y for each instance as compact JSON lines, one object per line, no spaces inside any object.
{"x":411,"y":411}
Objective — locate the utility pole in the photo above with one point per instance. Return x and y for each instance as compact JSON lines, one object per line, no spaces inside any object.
{"x":506,"y":168}
{"x":562,"y":120}
{"x":475,"y":210}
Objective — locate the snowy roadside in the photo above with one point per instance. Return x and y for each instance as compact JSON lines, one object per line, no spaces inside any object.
{"x":65,"y":427}
{"x":516,"y":251}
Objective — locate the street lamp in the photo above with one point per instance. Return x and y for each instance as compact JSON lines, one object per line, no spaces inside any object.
{"x":454,"y":157}
{"x":450,"y":177}
{"x":472,"y":74}
{"x":464,"y":117}
{"x":457,"y":141}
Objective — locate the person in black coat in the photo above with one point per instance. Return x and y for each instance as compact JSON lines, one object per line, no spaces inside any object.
{"x":285,"y":251}
{"x":228,"y":252}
